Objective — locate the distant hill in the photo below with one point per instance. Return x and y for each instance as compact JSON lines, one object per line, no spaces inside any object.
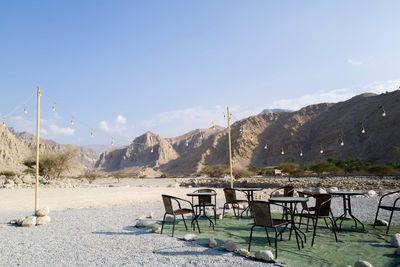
{"x":308,"y":130}
{"x":99,"y":148}
{"x":274,"y":110}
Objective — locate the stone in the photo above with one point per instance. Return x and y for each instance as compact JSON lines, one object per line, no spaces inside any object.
{"x":278,"y":193}
{"x":8,"y":186}
{"x":9,"y":181}
{"x":380,"y":222}
{"x":372,"y":193}
{"x":362,"y":264}
{"x":27,"y":179}
{"x":29,"y":221}
{"x":212,"y":243}
{"x":397,"y":252}
{"x":220,"y":216}
{"x":156,"y":230}
{"x":319,"y":190}
{"x":244,"y":252}
{"x":395,"y":240}
{"x":190,"y":237}
{"x":333,"y":189}
{"x":142,"y":223}
{"x":18,"y":181}
{"x":13,"y":222}
{"x":20,"y":220}
{"x":42,"y":212}
{"x":151,"y":215}
{"x":265,"y":255}
{"x":141,"y":217}
{"x":169,"y":219}
{"x":229,"y":245}
{"x":43,"y":220}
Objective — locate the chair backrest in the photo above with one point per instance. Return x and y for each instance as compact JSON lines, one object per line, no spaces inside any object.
{"x":303,"y":204}
{"x":322,"y":204}
{"x":168,"y":204}
{"x":205,"y":199}
{"x":288,"y":191}
{"x":230,"y":195}
{"x":261,"y":213}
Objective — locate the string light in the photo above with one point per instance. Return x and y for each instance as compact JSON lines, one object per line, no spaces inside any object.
{"x":383,"y":112}
{"x":266,"y":147}
{"x":301,"y":153}
{"x":187,"y":144}
{"x":321,"y":151}
{"x":151,"y":150}
{"x":282,"y":152}
{"x":53,"y":108}
{"x":363,"y":130}
{"x":112,"y":141}
{"x":341,"y":141}
{"x":91,"y":133}
{"x":25,"y":111}
{"x":72,"y":121}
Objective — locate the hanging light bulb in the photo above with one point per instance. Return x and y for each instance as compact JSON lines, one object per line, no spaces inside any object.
{"x":112,"y":141}
{"x":321,"y":151}
{"x":25,"y":111}
{"x":342,"y":143}
{"x":301,"y":153}
{"x":383,"y":112}
{"x":282,"y":152}
{"x":53,"y":108}
{"x":72,"y":121}
{"x":363,"y":130}
{"x":151,"y":150}
{"x":91,"y":133}
{"x":266,"y":147}
{"x":187,"y":144}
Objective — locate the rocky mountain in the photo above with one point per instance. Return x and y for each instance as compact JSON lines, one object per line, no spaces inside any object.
{"x":260,"y":140}
{"x":274,"y":110}
{"x":15,"y":147}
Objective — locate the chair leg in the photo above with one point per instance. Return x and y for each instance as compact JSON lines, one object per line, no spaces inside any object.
{"x":184,"y":221}
{"x":163,"y":221}
{"x":301,"y":217}
{"x":333,"y":228}
{"x":326,"y":223}
{"x":376,"y":217}
{"x":390,"y":220}
{"x":251,"y":235}
{"x":173,"y":226}
{"x":276,"y":243}
{"x":266,"y":231}
{"x":223,"y":211}
{"x":215,"y":214}
{"x":315,"y":230}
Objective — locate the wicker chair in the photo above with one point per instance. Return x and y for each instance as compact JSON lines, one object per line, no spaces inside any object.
{"x":180,"y":211}
{"x":230,"y":198}
{"x":391,"y":208}
{"x":305,"y":207}
{"x":206,"y":201}
{"x":288,"y":191}
{"x":262,"y":218}
{"x":323,"y":211}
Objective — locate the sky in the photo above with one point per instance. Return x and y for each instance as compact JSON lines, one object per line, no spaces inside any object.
{"x":123,"y":68}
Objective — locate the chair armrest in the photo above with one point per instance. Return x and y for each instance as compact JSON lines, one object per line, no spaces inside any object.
{"x":178,"y":200}
{"x":388,"y":194}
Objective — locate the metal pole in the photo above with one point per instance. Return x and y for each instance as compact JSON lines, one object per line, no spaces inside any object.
{"x":37,"y":148}
{"x":229,"y":141}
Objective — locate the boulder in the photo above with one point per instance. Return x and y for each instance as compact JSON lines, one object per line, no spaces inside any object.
{"x":395,"y":240}
{"x":212,"y":243}
{"x":143,"y":223}
{"x":319,"y":190}
{"x":20,"y":220}
{"x":9,"y":181}
{"x":156,"y":230}
{"x":42,"y":212}
{"x":381,"y":222}
{"x":265,"y":255}
{"x":43,"y":220}
{"x":362,"y":264}
{"x":27,"y":179}
{"x":190,"y":237}
{"x":29,"y":221}
{"x":13,"y":222}
{"x":229,"y":245}
{"x":372,"y":193}
{"x":333,"y":189}
{"x":244,"y":252}
{"x":8,"y":186}
{"x":18,"y":181}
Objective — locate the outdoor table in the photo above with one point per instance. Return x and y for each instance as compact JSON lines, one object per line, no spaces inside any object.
{"x":293,"y":201}
{"x":347,"y":206}
{"x":202,"y":205}
{"x":250,"y":196}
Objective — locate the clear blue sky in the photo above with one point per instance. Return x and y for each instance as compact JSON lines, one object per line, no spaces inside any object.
{"x":125,"y":67}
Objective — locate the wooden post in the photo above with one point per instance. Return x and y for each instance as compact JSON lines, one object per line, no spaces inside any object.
{"x":229,"y":143}
{"x":37,"y":148}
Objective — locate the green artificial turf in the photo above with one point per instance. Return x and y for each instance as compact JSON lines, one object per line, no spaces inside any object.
{"x":373,"y":245}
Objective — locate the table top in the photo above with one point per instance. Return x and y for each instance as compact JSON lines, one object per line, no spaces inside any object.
{"x":288,"y":199}
{"x":201,"y":194}
{"x":248,"y":189}
{"x":354,"y":193}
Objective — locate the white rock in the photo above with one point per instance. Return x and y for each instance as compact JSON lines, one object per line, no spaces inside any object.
{"x":151,"y":215}
{"x":265,"y":255}
{"x":212,"y":243}
{"x":362,"y":264}
{"x":141,"y":217}
{"x":169,"y":219}
{"x":43,"y":212}
{"x":372,"y":193}
{"x":13,"y":222}
{"x":220,"y":216}
{"x":9,"y":181}
{"x":333,"y":189}
{"x":43,"y":220}
{"x":380,"y":222}
{"x":395,"y":240}
{"x":18,"y":181}
{"x":143,"y":223}
{"x":29,"y":221}
{"x":229,"y":245}
{"x":319,"y":190}
{"x":156,"y":230}
{"x":278,"y":193}
{"x":20,"y":220}
{"x":190,"y":237}
{"x":27,"y":179}
{"x":244,"y":252}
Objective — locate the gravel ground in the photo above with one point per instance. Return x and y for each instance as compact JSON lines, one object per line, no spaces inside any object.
{"x":106,"y":236}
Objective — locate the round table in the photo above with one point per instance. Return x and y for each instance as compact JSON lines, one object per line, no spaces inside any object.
{"x":347,"y":206}
{"x":202,"y":205}
{"x":250,"y":196}
{"x":293,"y":201}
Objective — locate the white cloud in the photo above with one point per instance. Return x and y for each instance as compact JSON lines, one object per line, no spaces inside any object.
{"x":54,"y":128}
{"x":120,"y":119}
{"x":334,"y":96}
{"x":354,"y":62}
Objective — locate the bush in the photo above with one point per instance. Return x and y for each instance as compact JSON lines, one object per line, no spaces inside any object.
{"x":321,"y":168}
{"x":240,"y":173}
{"x":261,"y":171}
{"x":349,"y":165}
{"x":29,"y":171}
{"x":219,"y":170}
{"x":8,"y":174}
{"x":163,"y":175}
{"x":143,"y":176}
{"x":120,"y":174}
{"x":381,"y":170}
{"x":91,"y":176}
{"x":291,"y":168}
{"x":53,"y":164}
